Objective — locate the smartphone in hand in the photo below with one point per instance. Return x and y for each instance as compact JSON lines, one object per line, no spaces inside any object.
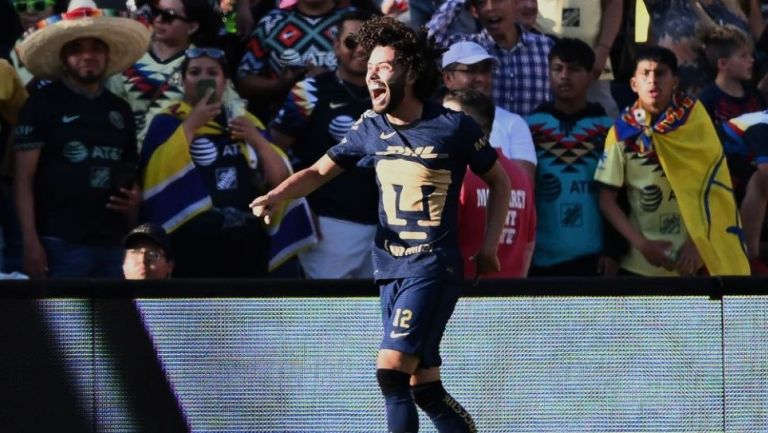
{"x":202,"y":88}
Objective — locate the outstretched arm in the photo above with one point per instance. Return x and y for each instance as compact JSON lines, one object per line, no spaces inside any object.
{"x":297,"y":185}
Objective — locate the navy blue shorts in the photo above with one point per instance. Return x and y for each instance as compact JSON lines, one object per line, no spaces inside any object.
{"x":414,"y":312}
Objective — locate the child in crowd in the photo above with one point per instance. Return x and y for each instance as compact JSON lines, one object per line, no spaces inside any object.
{"x":731,"y":96}
{"x":518,"y":236}
{"x":568,"y":135}
{"x":729,"y":52}
{"x":747,"y":150}
{"x":664,"y":151}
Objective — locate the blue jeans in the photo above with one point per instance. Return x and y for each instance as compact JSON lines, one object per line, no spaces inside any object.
{"x":71,"y":260}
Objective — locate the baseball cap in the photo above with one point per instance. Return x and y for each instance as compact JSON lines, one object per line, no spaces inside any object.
{"x":466,"y":53}
{"x":154,"y":233}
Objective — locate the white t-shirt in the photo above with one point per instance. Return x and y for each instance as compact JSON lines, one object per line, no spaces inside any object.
{"x":510,"y":134}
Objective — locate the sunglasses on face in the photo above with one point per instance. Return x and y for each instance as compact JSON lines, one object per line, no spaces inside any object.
{"x":350,"y":42}
{"x":30,"y":6}
{"x":214,"y":53}
{"x":167,"y":16}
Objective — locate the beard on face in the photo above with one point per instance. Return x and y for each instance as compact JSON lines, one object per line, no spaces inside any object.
{"x":396,"y":90}
{"x":89,"y":77}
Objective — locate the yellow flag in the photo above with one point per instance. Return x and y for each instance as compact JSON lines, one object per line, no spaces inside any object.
{"x":694,"y":162}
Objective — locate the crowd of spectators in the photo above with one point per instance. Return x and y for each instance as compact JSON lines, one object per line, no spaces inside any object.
{"x":631,"y":150}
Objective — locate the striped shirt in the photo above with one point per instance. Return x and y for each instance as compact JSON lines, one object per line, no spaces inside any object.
{"x":521,"y":80}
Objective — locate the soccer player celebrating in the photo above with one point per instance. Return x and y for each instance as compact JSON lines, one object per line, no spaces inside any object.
{"x":419,"y":152}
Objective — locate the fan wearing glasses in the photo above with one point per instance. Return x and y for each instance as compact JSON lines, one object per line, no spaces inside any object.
{"x":148,"y":253}
{"x":202,"y":166}
{"x":30,"y":12}
{"x":154,"y":82}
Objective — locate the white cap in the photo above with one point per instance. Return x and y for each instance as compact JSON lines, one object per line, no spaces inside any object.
{"x":466,"y":53}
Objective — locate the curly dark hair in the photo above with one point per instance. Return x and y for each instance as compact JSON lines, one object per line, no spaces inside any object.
{"x":413,"y":49}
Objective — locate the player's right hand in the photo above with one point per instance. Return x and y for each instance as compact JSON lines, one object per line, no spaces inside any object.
{"x":486,"y":263}
{"x":264,"y":207}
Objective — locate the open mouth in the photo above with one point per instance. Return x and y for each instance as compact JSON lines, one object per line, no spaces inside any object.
{"x":493,"y":22}
{"x":378,"y":93}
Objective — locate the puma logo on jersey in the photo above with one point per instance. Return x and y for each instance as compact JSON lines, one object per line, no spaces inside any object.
{"x":424,"y":152}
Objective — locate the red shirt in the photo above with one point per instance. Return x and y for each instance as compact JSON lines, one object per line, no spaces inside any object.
{"x":519,"y":227}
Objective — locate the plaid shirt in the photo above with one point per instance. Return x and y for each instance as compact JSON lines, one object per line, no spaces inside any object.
{"x":521,"y":80}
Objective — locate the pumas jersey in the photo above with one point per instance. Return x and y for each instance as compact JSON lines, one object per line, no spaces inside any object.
{"x":419,"y":170}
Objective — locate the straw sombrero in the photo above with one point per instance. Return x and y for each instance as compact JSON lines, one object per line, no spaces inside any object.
{"x":40,"y":50}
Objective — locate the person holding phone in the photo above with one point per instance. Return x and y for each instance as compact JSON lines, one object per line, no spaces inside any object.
{"x":200,"y":169}
{"x":154,"y":81}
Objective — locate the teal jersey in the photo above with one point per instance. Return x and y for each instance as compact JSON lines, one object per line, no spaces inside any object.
{"x":568,"y":148}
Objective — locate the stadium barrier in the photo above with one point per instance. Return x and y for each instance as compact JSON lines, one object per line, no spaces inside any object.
{"x":533,"y":355}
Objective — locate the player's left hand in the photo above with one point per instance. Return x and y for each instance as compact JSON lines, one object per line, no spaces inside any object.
{"x":688,"y":261}
{"x":486,"y":263}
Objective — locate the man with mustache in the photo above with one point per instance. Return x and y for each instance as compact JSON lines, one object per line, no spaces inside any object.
{"x":419,"y":152}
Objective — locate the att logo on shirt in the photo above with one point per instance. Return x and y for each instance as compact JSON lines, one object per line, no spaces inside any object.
{"x":76,"y":151}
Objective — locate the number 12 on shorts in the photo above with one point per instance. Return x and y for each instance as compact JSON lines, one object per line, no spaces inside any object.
{"x":402,"y":317}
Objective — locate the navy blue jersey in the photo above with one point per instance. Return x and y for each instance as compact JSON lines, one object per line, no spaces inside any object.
{"x":419,"y":170}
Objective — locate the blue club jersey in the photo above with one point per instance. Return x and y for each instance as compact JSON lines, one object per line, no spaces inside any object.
{"x":419,"y":170}
{"x":568,"y":147}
